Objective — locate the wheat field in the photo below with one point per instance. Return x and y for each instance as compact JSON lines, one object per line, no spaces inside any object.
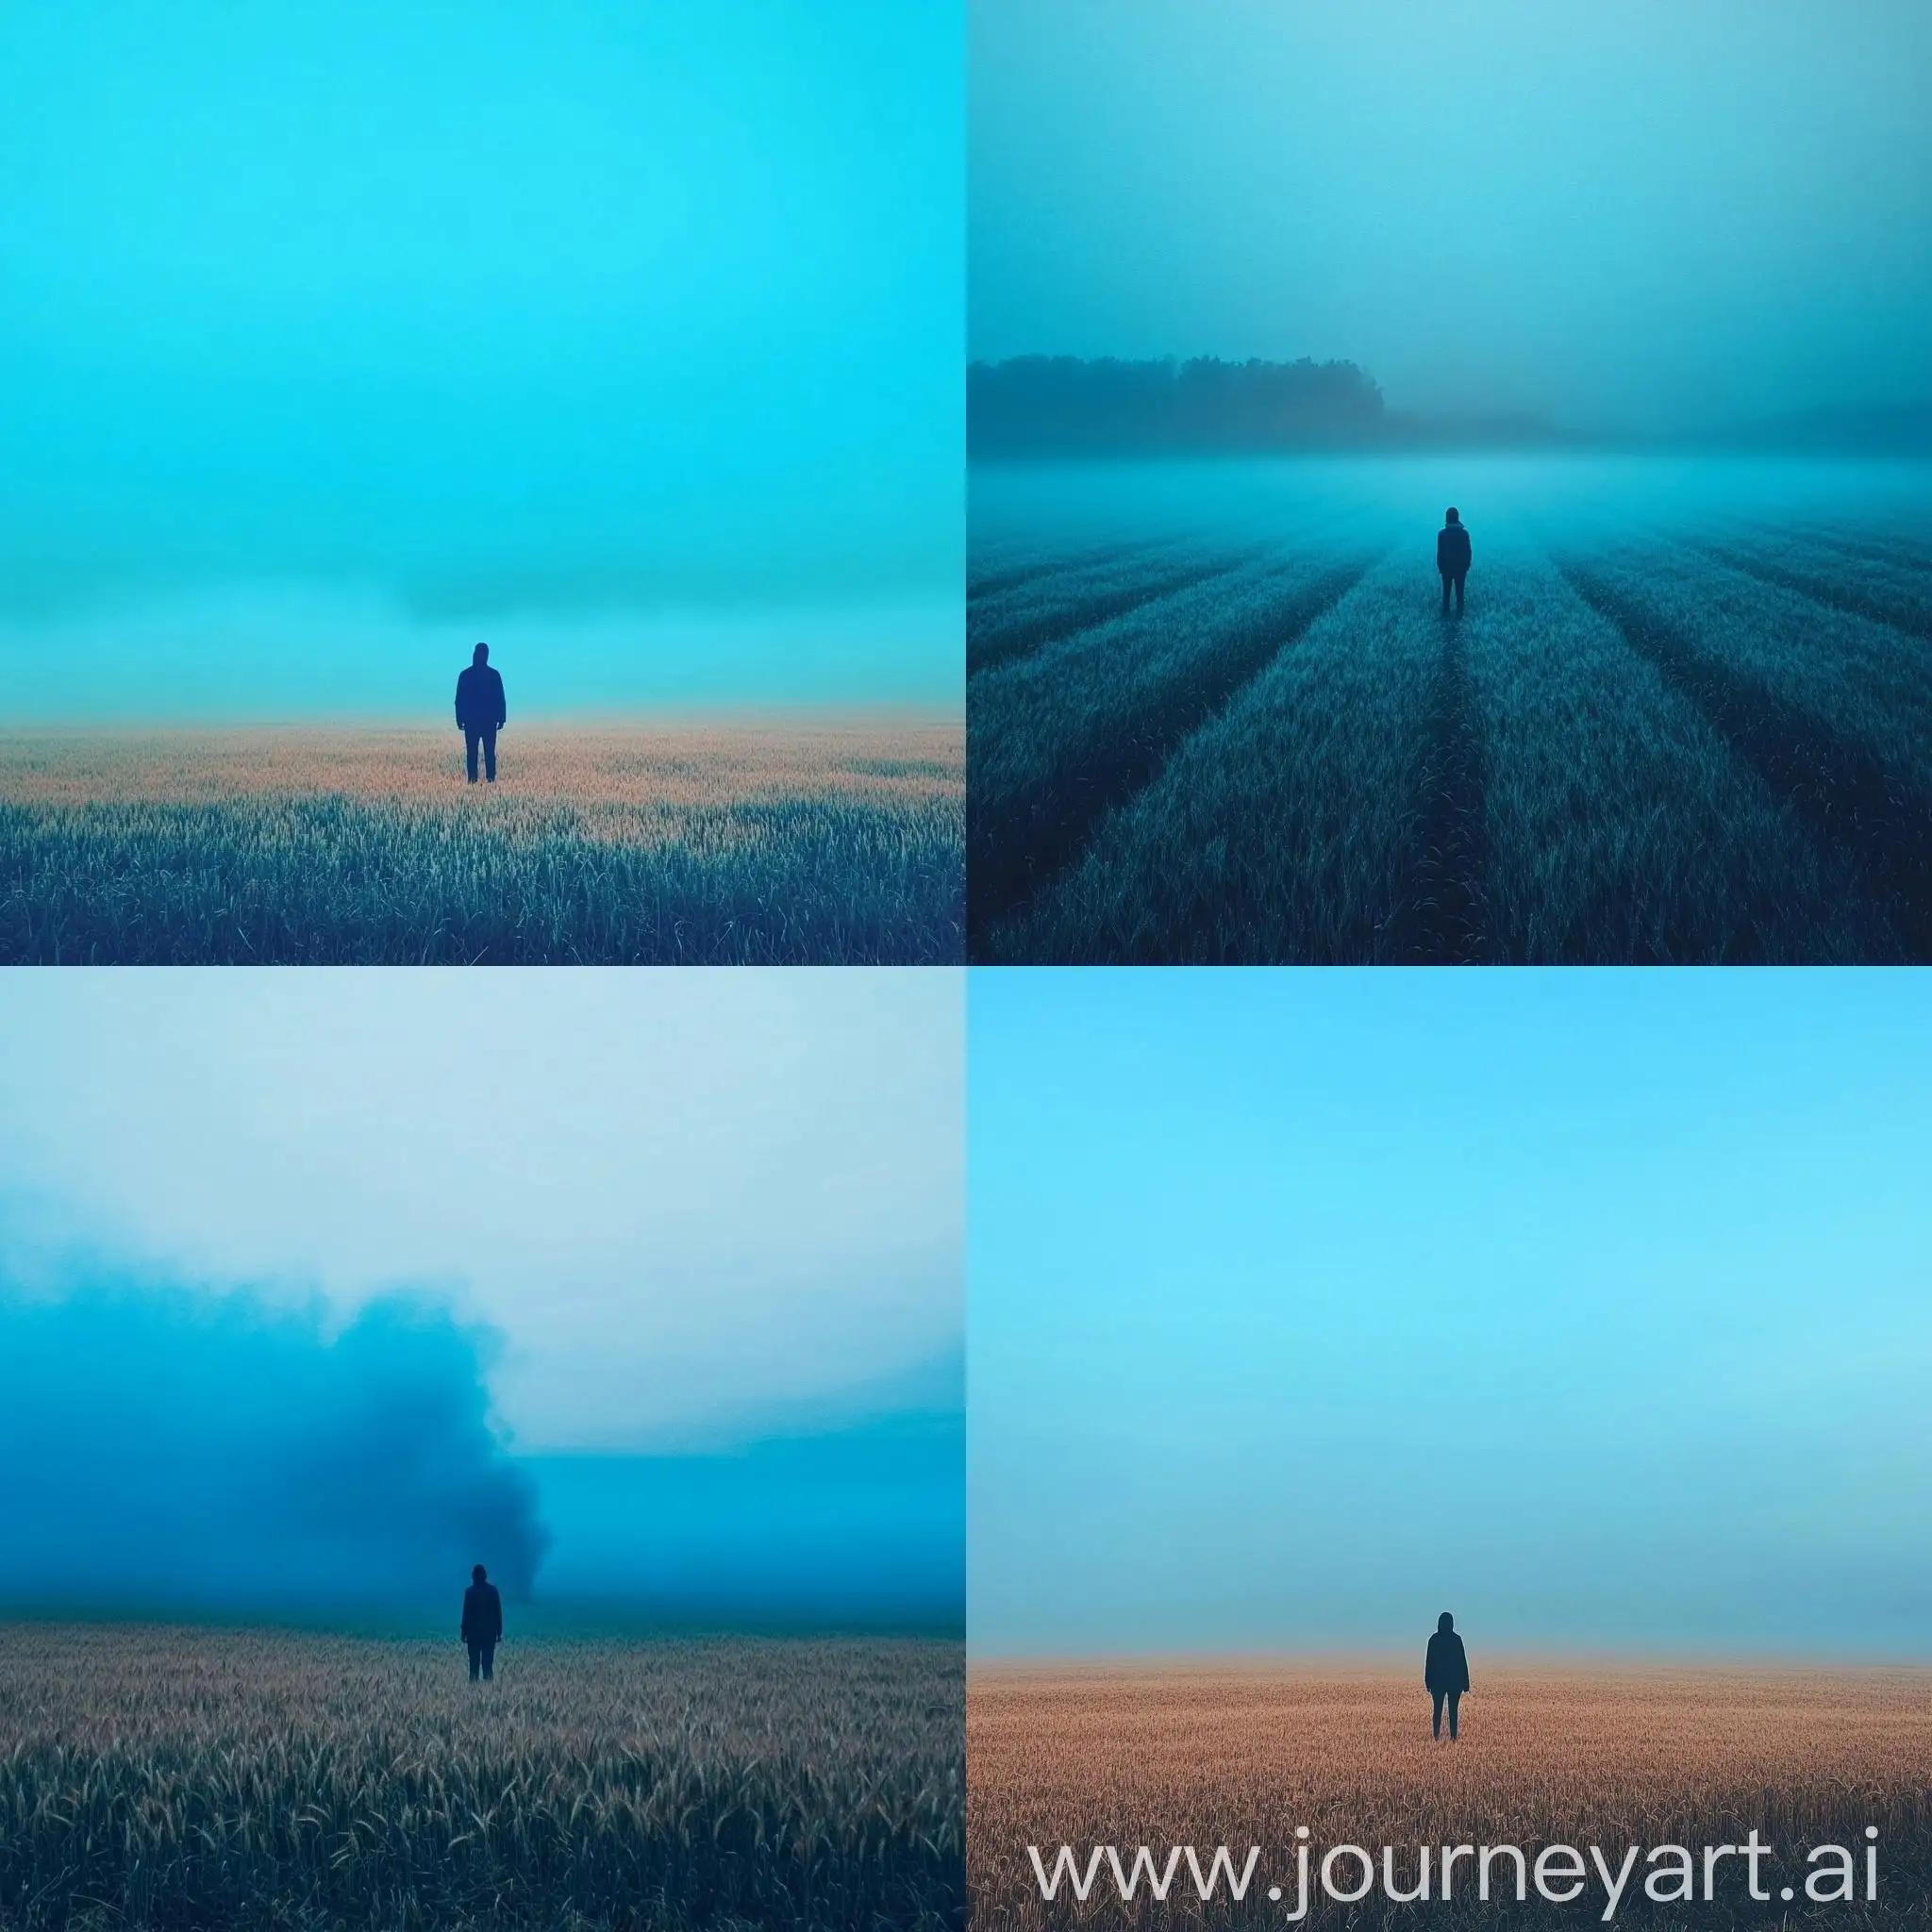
{"x":1617,"y":1754}
{"x":201,"y":1779}
{"x":1687,"y":719}
{"x":774,"y":844}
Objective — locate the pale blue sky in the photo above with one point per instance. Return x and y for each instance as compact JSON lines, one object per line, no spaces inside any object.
{"x":698,"y":1206}
{"x":338,"y":335}
{"x":1657,"y":214}
{"x":1590,"y":1305}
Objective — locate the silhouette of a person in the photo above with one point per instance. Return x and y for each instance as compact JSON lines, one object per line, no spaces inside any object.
{"x":480,"y":713}
{"x":1445,"y":1672}
{"x":482,"y":1623}
{"x":1452,"y":559}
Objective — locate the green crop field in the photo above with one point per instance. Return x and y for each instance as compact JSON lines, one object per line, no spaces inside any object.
{"x":1215,"y":714}
{"x":201,"y":1779}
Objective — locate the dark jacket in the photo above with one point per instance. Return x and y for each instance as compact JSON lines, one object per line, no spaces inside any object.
{"x":1451,"y":550}
{"x":479,"y":699}
{"x":1447,"y":1666}
{"x":482,"y":1614}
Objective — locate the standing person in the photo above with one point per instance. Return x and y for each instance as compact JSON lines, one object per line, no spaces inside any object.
{"x":480,"y":712}
{"x":482,"y":1623}
{"x":1452,"y":559}
{"x":1445,"y":1672}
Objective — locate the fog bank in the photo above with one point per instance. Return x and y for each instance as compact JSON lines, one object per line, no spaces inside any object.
{"x":1642,"y":219}
{"x":186,"y":1454}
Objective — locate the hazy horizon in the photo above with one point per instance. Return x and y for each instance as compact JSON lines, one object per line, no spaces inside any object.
{"x":1640,"y":220}
{"x":856,"y":1527}
{"x":1397,"y":1654}
{"x":170,"y":662}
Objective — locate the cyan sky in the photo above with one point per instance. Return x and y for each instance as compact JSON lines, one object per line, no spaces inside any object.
{"x":1650,"y":215}
{"x":1590,"y":1306}
{"x":338,"y":335}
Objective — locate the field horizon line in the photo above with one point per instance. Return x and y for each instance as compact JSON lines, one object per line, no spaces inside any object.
{"x":1375,"y":1663}
{"x":552,"y":1623}
{"x":711,"y":718}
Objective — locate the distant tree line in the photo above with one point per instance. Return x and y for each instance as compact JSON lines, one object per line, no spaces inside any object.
{"x":1063,"y":404}
{"x":1047,"y":406}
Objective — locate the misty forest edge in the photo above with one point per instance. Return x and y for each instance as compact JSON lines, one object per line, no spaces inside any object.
{"x":1068,"y":406}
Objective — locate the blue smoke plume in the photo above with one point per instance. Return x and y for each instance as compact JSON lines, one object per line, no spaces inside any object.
{"x":199,"y":1455}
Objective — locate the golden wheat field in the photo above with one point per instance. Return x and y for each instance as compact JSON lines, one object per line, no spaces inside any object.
{"x":637,"y":845}
{"x":191,"y":1779}
{"x":1617,"y":1754}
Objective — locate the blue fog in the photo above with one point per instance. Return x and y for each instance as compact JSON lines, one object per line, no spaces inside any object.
{"x":339,"y":337}
{"x":1643,"y":219}
{"x":1508,"y":501}
{"x":1588,"y":1305}
{"x":864,"y":1525}
{"x":185,"y":1454}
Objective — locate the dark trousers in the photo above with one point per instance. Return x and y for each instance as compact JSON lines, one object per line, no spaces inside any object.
{"x":1455,"y":578}
{"x":483,"y":1655}
{"x":1455,"y":1698}
{"x":485,"y":736}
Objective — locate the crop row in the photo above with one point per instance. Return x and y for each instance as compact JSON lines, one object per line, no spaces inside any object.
{"x":1004,"y":628}
{"x":1833,"y":712}
{"x":1057,"y":739}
